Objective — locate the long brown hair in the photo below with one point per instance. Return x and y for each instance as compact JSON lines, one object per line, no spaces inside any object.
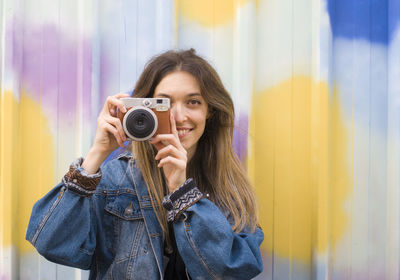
{"x":214,"y":167}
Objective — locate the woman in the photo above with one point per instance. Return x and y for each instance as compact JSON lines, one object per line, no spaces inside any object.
{"x":179,"y":206}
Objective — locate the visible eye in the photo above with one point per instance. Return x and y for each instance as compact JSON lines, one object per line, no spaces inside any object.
{"x":194,"y":102}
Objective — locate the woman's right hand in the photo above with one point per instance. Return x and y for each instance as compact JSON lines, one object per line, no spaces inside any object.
{"x":109,"y":133}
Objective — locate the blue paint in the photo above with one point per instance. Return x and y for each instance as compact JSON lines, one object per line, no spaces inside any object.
{"x":371,"y":20}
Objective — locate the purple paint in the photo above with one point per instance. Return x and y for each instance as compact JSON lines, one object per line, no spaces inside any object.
{"x":104,"y":74}
{"x":109,"y":75}
{"x":46,"y":62}
{"x":240,"y":134}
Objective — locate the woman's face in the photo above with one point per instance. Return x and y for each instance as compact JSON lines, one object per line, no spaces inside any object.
{"x":187,"y":105}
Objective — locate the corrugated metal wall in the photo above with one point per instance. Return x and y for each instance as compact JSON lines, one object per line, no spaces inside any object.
{"x":316,"y":85}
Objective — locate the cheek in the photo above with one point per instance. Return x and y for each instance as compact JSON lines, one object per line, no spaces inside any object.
{"x":203,"y":116}
{"x":201,"y":120}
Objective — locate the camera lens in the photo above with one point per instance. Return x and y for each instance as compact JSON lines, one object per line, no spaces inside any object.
{"x":140,"y":123}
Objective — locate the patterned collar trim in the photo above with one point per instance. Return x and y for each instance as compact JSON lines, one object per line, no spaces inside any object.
{"x":125,"y":155}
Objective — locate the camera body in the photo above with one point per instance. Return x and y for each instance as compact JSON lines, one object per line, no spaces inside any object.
{"x":145,"y":117}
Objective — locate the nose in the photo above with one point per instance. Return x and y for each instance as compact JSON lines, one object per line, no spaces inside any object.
{"x":179,"y":112}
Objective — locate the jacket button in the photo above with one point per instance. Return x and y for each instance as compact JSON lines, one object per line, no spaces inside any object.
{"x":128,"y":211}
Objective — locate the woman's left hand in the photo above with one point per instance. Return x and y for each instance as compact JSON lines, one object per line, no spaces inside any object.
{"x":172,"y":156}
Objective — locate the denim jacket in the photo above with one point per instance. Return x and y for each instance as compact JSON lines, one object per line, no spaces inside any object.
{"x":114,"y":231}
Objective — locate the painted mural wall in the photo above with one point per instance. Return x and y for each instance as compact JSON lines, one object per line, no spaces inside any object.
{"x":316,"y":85}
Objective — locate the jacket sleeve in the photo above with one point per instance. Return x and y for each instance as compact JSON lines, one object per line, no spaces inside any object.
{"x":211,"y":249}
{"x":62,"y":226}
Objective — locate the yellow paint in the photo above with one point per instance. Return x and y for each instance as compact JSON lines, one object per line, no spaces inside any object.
{"x":298,"y":163}
{"x":8,"y":173}
{"x":28,"y":166}
{"x":210,"y":13}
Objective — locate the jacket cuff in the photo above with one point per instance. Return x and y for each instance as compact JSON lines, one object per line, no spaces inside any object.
{"x":79,"y":181}
{"x":181,"y":199}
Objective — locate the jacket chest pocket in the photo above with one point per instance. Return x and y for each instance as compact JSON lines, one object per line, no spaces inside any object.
{"x":125,"y":226}
{"x":124,"y":206}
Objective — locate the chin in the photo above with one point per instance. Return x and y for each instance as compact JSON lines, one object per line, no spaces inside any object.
{"x":186,"y":147}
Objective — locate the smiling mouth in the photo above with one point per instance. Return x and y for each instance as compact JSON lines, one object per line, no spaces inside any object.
{"x":183,"y":132}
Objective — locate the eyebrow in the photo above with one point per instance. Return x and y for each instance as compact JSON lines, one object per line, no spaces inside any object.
{"x":190,"y":94}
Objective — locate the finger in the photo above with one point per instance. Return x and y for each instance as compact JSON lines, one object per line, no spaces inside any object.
{"x":112,"y":102}
{"x":163,"y":140}
{"x":174,"y":131}
{"x":171,"y":160}
{"x":112,"y":130}
{"x":158,"y":146}
{"x":166,"y":139}
{"x":110,"y":125}
{"x":170,"y":151}
{"x":117,"y":124}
